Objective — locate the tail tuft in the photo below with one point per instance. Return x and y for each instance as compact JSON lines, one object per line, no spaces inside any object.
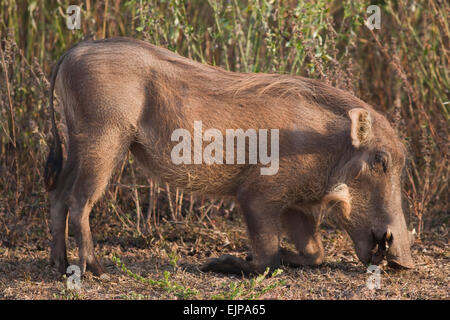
{"x":53,"y":165}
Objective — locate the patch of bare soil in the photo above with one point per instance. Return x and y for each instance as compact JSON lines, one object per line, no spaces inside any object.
{"x":167,"y":267}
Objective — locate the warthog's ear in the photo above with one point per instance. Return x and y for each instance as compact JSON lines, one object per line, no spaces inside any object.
{"x":361,"y":128}
{"x":338,"y":196}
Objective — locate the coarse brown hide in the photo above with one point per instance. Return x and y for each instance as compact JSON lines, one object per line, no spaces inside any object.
{"x":337,"y":155}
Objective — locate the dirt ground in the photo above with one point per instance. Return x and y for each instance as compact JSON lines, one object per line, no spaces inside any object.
{"x":167,"y":267}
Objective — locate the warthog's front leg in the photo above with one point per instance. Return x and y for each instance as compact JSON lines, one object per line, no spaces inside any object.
{"x":263,"y":225}
{"x":295,"y":260}
{"x":303,"y":231}
{"x":229,"y":264}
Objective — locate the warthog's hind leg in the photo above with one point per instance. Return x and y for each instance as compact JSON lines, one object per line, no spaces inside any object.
{"x":59,"y":213}
{"x":58,"y":228}
{"x":98,"y":157}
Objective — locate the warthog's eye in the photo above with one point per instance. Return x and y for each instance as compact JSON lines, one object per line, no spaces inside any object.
{"x":381,"y":160}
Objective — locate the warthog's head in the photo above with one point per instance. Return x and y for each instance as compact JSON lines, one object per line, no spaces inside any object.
{"x":368,"y":192}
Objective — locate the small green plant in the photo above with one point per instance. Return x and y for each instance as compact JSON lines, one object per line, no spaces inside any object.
{"x":171,"y":287}
{"x":68,"y":294}
{"x":174,"y":257}
{"x":249,"y":289}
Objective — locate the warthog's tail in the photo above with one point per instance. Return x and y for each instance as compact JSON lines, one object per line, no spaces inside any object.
{"x":54,"y":162}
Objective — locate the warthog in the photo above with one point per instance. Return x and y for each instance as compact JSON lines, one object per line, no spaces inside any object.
{"x":337,"y":155}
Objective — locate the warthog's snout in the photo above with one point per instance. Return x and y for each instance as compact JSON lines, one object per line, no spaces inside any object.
{"x":381,"y":245}
{"x":399,"y":254}
{"x":395,"y":249}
